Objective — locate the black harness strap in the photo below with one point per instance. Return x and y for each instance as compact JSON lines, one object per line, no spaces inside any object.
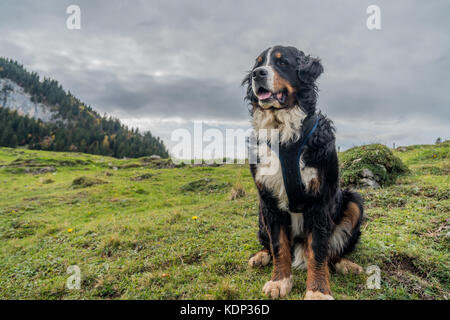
{"x":289,"y":156}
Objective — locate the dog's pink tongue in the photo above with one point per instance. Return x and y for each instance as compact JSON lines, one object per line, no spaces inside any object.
{"x":264,"y":95}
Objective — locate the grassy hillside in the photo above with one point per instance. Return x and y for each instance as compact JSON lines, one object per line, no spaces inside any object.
{"x":139,"y":230}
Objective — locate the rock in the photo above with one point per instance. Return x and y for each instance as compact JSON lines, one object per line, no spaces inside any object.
{"x":154,"y":156}
{"x":14,"y":97}
{"x":369,"y":183}
{"x":366,"y":173}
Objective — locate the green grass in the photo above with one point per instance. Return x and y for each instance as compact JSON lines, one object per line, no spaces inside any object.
{"x":133,"y":234}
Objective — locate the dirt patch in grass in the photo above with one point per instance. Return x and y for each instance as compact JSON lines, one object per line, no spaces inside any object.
{"x":144,"y":176}
{"x":41,"y":162}
{"x":206,"y":185}
{"x":129,"y":166}
{"x":412,"y":274}
{"x":193,"y":257}
{"x":227,"y":267}
{"x":226,"y":290}
{"x":47,"y":181}
{"x":157,"y":163}
{"x":110,"y":246}
{"x":174,"y":218}
{"x":237,"y":191}
{"x":400,"y":262}
{"x":32,"y":170}
{"x":107,"y":287}
{"x":18,"y":229}
{"x":439,"y":231}
{"x":436,"y":193}
{"x":139,"y":190}
{"x":83,"y":182}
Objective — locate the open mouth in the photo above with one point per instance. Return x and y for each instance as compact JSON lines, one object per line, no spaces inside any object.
{"x":265,"y":95}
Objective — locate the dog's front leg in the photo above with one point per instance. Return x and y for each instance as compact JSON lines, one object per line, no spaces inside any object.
{"x":281,"y":283}
{"x":317,"y":281}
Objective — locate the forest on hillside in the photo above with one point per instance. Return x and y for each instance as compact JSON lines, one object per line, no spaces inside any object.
{"x":75,"y":127}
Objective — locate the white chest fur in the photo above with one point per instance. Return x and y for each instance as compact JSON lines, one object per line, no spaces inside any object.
{"x":274,"y":181}
{"x":289,"y":123}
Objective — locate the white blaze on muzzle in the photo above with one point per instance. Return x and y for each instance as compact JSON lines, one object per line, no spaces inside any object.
{"x":267,"y":82}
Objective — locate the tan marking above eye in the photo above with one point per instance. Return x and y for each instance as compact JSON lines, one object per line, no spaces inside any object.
{"x":278,"y":55}
{"x":259,"y":59}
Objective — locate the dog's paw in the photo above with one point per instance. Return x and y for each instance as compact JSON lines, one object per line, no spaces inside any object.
{"x":279,"y":288}
{"x":346,"y":266}
{"x":261,"y":258}
{"x":317,"y":295}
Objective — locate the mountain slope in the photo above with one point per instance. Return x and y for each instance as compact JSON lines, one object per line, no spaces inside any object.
{"x":42,"y":115}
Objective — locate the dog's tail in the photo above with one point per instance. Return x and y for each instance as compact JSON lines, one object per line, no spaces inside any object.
{"x":349,"y":197}
{"x":347,"y":231}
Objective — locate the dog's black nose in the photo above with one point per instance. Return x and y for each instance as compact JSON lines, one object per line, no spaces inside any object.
{"x":260,"y":73}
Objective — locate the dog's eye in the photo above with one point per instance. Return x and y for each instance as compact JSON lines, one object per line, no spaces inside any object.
{"x":283,"y":62}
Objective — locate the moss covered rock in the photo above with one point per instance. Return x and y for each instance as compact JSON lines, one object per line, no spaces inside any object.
{"x":371,"y":165}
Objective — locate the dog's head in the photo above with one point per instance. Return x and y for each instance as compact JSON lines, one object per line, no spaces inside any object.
{"x":283,"y":77}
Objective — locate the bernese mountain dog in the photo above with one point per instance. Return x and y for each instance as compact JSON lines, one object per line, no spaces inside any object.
{"x":305,"y":219}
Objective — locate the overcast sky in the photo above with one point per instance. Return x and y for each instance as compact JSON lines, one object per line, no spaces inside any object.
{"x":160,"y":65}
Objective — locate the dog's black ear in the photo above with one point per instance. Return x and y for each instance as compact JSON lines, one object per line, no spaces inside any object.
{"x":310,"y":70}
{"x":247,"y":81}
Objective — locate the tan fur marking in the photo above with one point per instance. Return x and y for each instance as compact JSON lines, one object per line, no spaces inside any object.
{"x":260,"y":59}
{"x":282,"y":261}
{"x":352,"y":213}
{"x":278,"y":55}
{"x":279,"y":84}
{"x":318,"y":274}
{"x":281,"y":283}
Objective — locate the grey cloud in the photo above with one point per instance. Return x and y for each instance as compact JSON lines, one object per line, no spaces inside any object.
{"x":202,"y":49}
